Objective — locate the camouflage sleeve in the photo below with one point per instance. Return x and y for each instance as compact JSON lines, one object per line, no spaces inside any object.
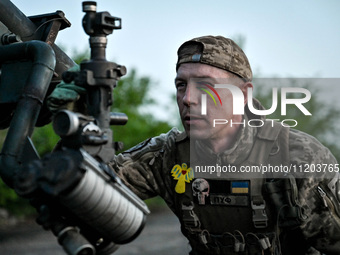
{"x":141,"y":168}
{"x":317,"y":180}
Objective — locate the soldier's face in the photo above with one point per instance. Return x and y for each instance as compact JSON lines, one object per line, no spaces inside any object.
{"x":195,"y":79}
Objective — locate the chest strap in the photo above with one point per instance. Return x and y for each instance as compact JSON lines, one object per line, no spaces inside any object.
{"x":271,"y":139}
{"x":258,"y":204}
{"x":270,"y":147}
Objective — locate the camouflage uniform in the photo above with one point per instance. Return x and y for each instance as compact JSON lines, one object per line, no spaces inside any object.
{"x":285,"y":214}
{"x":290,"y":213}
{"x":146,"y":170}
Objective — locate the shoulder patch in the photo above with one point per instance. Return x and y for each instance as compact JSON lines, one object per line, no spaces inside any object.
{"x":137,"y":147}
{"x":158,"y":143}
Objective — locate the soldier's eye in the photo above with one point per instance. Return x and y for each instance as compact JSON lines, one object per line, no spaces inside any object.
{"x":180,"y":85}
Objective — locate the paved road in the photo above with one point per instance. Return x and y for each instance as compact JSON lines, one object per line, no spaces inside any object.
{"x":161,"y":235}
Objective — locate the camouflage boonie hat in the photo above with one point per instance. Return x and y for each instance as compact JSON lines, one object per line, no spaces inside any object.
{"x":217,"y":51}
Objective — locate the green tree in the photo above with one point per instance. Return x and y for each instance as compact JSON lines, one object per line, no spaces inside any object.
{"x":322,"y":124}
{"x":130,"y":96}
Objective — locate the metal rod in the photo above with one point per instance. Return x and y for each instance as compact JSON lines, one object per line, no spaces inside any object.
{"x":16,"y":21}
{"x":19,"y":24}
{"x":28,"y":108}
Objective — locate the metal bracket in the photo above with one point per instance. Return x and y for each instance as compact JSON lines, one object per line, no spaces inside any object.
{"x":260,"y":217}
{"x":190,"y":219}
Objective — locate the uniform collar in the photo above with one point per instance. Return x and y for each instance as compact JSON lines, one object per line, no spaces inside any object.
{"x":240,"y":150}
{"x":242,"y":147}
{"x":234,"y":155}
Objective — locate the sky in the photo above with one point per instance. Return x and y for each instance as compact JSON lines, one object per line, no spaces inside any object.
{"x":293,"y":38}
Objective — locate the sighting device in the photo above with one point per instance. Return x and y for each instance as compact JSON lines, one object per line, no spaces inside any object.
{"x":78,"y":196}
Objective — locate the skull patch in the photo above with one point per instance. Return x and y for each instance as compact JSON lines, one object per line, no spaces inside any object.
{"x":200,"y":188}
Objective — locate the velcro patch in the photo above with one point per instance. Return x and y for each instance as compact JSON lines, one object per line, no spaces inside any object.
{"x":240,"y":187}
{"x":221,"y":192}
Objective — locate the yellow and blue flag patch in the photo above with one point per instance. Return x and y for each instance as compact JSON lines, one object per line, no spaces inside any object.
{"x":240,"y":187}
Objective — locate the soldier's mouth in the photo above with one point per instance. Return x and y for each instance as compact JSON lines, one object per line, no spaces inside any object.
{"x":193,"y":119}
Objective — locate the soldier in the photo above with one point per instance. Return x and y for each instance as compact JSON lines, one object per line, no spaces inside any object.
{"x":232,"y":212}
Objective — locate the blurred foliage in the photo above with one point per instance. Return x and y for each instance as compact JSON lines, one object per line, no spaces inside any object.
{"x":13,"y":203}
{"x":130,"y":96}
{"x":155,"y":203}
{"x":80,"y":55}
{"x":322,"y":124}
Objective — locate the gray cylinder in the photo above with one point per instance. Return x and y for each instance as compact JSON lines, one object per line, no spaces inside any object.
{"x":109,"y":207}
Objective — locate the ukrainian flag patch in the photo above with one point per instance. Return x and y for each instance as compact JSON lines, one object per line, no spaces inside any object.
{"x":240,"y":187}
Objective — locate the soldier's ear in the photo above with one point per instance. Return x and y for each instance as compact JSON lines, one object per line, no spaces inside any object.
{"x":244,"y":87}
